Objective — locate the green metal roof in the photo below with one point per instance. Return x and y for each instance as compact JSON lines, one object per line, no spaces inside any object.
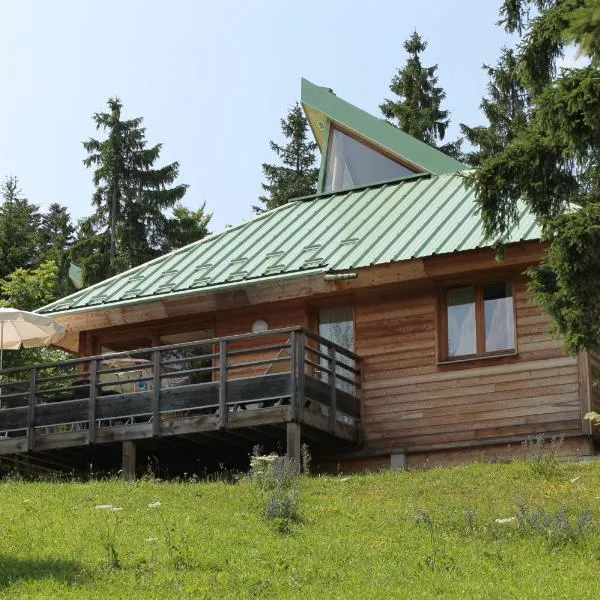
{"x":323,"y":107}
{"x":374,"y":225}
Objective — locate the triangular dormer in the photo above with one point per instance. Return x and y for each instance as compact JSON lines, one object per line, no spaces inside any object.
{"x":359,"y":149}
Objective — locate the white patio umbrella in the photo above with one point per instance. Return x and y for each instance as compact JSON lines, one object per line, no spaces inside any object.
{"x":19,"y":328}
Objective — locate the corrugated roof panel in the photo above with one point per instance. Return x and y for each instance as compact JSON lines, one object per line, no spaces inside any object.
{"x":350,"y":229}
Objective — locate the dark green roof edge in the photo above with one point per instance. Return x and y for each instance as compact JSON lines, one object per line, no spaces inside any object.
{"x":378,"y":131}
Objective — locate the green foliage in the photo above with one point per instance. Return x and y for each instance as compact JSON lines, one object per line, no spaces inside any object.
{"x":19,"y":221}
{"x":29,"y":289}
{"x":543,"y":455}
{"x":186,"y":226}
{"x":56,"y":236}
{"x":130,"y":224}
{"x":548,"y":159}
{"x":478,"y":531}
{"x":297,"y":174}
{"x":277,"y":480}
{"x":505,"y":108}
{"x":416,"y":109}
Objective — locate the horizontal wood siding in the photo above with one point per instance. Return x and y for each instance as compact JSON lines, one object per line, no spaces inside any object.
{"x":410,"y":402}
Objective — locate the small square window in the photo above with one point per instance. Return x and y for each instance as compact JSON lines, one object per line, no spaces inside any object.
{"x":477,"y":320}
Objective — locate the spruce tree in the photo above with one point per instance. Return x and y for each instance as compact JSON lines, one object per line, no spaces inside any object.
{"x":297,"y":175}
{"x":416,"y":107}
{"x":56,"y":236}
{"x":132,"y":197}
{"x":552,"y":162}
{"x":19,"y":221}
{"x":505,"y":108}
{"x":185,"y":227}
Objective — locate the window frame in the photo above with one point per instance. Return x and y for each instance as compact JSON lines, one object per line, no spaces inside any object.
{"x":367,"y":143}
{"x":442,"y":321}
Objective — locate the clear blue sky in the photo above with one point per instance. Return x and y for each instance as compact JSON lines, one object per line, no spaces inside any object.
{"x":212,"y":80}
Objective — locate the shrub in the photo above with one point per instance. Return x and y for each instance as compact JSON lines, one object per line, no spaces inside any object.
{"x":544,"y":455}
{"x":278,"y":482}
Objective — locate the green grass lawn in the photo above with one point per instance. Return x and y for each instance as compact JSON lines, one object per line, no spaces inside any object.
{"x":423,"y":534}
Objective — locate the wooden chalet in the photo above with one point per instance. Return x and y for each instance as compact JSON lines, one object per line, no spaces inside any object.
{"x":371,"y":320}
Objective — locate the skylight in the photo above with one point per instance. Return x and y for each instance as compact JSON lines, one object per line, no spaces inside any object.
{"x":351,"y":163}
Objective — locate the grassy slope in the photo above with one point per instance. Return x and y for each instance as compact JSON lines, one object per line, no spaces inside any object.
{"x":425,"y":534}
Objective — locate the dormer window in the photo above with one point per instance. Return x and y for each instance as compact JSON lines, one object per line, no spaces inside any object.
{"x":352,"y":163}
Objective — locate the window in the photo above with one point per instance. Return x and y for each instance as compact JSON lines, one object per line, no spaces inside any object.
{"x":337,"y":325}
{"x":477,"y":320}
{"x":351,"y":163}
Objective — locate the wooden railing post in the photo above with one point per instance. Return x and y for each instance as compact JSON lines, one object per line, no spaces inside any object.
{"x":300,"y":358}
{"x":156,"y":387}
{"x":332,"y":389}
{"x":223,"y":408}
{"x":293,"y":375}
{"x":31,"y":409}
{"x":93,"y":381}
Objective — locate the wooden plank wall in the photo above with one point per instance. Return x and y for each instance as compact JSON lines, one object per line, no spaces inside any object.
{"x":411,"y":403}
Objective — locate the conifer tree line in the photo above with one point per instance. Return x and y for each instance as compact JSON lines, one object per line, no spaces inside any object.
{"x":138,"y":215}
{"x":415,"y":108}
{"x":539,"y":148}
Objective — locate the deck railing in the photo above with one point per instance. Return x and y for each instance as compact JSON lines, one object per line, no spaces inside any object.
{"x":292,"y":368}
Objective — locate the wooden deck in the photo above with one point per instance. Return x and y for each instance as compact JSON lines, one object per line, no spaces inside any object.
{"x":287,"y":377}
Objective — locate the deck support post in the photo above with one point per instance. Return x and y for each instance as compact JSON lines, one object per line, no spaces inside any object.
{"x":293,"y":442}
{"x":128,"y":466}
{"x":223,"y":408}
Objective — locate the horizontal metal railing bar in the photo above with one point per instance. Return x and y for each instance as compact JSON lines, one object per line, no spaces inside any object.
{"x":259,"y":349}
{"x":338,"y":363}
{"x":342,"y":378}
{"x":14,"y":395}
{"x":184,"y":372}
{"x":124,"y":369}
{"x":263,"y":361}
{"x":170,"y":361}
{"x":318,"y":366}
{"x":330,"y":344}
{"x":232,"y":338}
{"x":45,"y":378}
{"x":132,"y":353}
{"x":102,"y":384}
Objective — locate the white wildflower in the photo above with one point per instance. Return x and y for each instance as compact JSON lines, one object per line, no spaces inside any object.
{"x":154,"y":505}
{"x":104,"y":507}
{"x":150,"y":540}
{"x":505,"y":520}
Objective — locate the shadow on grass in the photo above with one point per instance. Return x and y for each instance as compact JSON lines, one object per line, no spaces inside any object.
{"x":14,"y":569}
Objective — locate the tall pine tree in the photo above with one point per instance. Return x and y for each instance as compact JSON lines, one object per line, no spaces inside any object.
{"x":505,"y":108}
{"x":56,"y":236}
{"x":297,"y":175}
{"x":552,"y":162}
{"x":19,"y":222}
{"x":132,"y":197}
{"x":416,"y":108}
